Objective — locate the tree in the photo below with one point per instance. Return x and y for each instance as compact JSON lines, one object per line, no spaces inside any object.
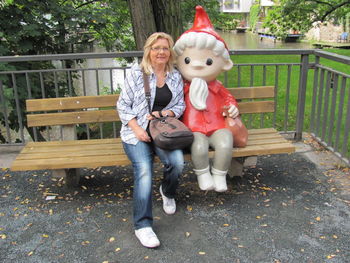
{"x":149,"y":16}
{"x":300,"y":15}
{"x":54,"y":26}
{"x":170,"y":16}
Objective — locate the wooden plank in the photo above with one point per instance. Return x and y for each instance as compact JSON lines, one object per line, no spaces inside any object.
{"x":256,"y":106}
{"x":264,"y":149}
{"x":46,"y":152}
{"x":74,"y":142}
{"x":99,"y":153}
{"x":95,"y":116}
{"x":65,"y":163}
{"x":71,"y":103}
{"x":83,"y":102}
{"x":253,"y":92}
{"x":109,"y":152}
{"x":262,"y":130}
{"x":118,"y":159}
{"x":57,"y":152}
{"x":76,"y":117}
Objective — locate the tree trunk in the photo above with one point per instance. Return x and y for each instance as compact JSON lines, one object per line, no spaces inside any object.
{"x":167,"y":17}
{"x":143,"y":22}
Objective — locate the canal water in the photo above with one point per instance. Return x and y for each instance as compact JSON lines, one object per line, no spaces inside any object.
{"x":249,"y":40}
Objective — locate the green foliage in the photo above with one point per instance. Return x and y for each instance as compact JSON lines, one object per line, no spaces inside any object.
{"x":58,"y":26}
{"x":226,"y":21}
{"x":254,"y":15}
{"x":188,"y":9}
{"x":54,"y":26}
{"x":300,"y":15}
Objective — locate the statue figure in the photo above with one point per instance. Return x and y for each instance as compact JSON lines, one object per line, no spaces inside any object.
{"x":201,"y":56}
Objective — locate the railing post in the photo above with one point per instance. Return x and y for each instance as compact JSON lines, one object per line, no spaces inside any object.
{"x":301,"y":97}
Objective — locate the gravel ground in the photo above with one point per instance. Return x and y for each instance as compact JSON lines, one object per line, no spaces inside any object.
{"x":285,"y":209}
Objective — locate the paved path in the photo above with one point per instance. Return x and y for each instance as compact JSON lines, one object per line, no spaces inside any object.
{"x":286,"y":209}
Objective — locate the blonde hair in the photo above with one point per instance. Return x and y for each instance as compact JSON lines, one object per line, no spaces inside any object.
{"x":146,"y":60}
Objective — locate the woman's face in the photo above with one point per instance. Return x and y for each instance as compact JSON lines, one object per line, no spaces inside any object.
{"x":160,"y":52}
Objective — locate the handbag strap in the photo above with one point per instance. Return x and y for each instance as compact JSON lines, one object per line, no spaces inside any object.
{"x":147,"y":91}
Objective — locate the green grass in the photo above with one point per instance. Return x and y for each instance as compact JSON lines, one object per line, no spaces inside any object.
{"x":281,"y":81}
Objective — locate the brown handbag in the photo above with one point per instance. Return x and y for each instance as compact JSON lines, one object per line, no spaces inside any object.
{"x":167,"y":133}
{"x":238,"y":130}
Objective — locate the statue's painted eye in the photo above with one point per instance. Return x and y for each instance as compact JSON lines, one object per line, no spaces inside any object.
{"x":209,"y":61}
{"x":187,"y":60}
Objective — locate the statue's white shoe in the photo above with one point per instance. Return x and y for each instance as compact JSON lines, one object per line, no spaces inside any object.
{"x":219,"y":179}
{"x":205,"y":182}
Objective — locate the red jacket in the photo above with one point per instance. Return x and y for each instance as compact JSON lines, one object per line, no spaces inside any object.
{"x":209,"y":120}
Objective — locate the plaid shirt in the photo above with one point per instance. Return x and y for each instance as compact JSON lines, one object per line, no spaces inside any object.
{"x":132,"y":102}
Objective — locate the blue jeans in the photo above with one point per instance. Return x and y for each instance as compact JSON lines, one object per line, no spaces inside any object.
{"x":142,"y":155}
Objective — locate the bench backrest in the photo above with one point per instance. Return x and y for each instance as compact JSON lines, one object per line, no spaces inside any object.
{"x":101,"y":108}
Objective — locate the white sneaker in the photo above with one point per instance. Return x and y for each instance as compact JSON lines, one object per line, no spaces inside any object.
{"x":169,"y":205}
{"x":147,"y":237}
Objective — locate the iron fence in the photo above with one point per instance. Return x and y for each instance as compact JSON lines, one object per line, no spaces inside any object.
{"x":311,"y":96}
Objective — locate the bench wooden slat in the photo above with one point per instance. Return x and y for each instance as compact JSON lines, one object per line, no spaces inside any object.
{"x":253,"y":92}
{"x":70,"y":162}
{"x":99,"y":152}
{"x":96,"y":116}
{"x":71,"y":103}
{"x":109,"y":152}
{"x":73,"y":142}
{"x":83,"y":102}
{"x":256,"y":106}
{"x":75,"y":117}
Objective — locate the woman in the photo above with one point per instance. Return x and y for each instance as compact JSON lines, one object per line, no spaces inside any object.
{"x":166,"y":88}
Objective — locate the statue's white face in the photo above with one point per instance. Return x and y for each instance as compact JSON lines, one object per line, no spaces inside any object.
{"x":201,"y":63}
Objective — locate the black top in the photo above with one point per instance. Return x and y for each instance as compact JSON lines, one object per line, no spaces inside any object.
{"x":163,"y":97}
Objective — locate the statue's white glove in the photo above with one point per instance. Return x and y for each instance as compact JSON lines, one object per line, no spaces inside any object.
{"x":232,"y":111}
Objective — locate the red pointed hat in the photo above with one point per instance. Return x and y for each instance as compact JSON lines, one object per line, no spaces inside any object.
{"x":202,"y":24}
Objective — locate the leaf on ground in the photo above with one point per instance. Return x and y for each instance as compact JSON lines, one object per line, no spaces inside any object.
{"x":225,"y":225}
{"x":201,"y":253}
{"x":111,"y":239}
{"x":187,"y":234}
{"x":189,"y":208}
{"x":318,"y":218}
{"x":117,"y":249}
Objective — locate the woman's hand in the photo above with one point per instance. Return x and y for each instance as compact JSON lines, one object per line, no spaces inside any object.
{"x":141,"y":134}
{"x":159,"y":114}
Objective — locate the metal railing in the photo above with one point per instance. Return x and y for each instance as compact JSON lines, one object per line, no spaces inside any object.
{"x":310,"y":96}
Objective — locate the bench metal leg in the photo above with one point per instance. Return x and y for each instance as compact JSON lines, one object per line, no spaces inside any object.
{"x":236,"y":167}
{"x":72,"y":176}
{"x":237,"y":164}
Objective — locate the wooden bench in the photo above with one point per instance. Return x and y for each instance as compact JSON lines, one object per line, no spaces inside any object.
{"x":65,"y":157}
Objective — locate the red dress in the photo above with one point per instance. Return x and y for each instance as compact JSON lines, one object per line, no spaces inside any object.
{"x":209,"y":120}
